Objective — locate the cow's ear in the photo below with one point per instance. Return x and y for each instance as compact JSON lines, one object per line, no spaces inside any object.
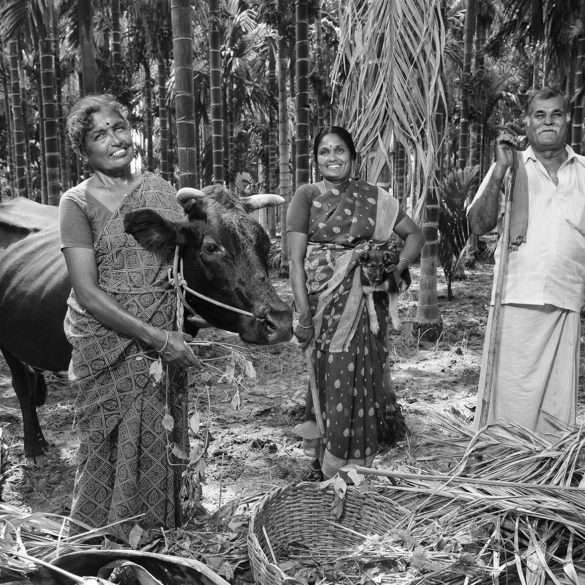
{"x":151,"y":231}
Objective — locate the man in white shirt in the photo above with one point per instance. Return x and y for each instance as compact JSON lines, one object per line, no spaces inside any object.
{"x":536,"y":364}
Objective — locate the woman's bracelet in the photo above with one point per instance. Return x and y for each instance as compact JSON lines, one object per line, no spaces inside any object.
{"x":305,"y":326}
{"x":164,"y":345}
{"x":404,"y":262}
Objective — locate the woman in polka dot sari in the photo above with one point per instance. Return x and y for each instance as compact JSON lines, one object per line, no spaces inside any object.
{"x":328,"y":224}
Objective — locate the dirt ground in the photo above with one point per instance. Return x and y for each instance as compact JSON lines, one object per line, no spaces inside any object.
{"x":252,"y":449}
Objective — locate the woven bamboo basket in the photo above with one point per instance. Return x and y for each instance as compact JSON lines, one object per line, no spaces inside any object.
{"x":302,"y":514}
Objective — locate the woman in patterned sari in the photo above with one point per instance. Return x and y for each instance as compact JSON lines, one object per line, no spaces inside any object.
{"x":120,"y":319}
{"x":328,"y":224}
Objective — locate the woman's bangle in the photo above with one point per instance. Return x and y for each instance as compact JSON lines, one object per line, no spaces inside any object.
{"x":305,"y":326}
{"x":404,"y":262}
{"x":164,"y":345}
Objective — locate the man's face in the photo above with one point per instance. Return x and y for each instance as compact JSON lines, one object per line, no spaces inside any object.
{"x":547,"y":124}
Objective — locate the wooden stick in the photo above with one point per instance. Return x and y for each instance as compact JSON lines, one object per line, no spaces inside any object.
{"x":494,"y":326}
{"x":269,"y":546}
{"x":314,"y":391}
{"x":462,"y":479}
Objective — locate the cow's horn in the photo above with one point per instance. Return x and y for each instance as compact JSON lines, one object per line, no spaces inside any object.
{"x":185,"y":194}
{"x":260,"y":200}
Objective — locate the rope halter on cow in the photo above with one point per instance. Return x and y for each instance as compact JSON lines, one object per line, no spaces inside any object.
{"x":177,"y":279}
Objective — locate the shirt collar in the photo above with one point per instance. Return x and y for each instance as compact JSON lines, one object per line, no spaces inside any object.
{"x":571,"y":155}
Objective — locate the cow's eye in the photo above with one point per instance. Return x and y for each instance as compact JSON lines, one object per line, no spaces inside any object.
{"x":210,"y":248}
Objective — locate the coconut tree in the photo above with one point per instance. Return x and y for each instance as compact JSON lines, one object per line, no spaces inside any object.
{"x":544,"y":28}
{"x":34,"y":23}
{"x":392,"y":90}
{"x":286,"y":179}
{"x":184,"y":108}
{"x":89,"y":69}
{"x":466,"y":86}
{"x":302,"y":64}
{"x":18,"y":123}
{"x":579,"y":93}
{"x":52,"y":150}
{"x":215,"y":78}
{"x":116,"y":42}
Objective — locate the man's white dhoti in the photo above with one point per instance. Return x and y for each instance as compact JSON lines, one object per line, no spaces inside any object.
{"x":536,"y":368}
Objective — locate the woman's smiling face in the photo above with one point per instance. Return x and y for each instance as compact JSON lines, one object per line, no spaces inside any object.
{"x":334,"y":158}
{"x":108,"y":143}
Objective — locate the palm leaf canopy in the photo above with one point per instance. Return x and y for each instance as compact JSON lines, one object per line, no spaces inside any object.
{"x":390,"y":61}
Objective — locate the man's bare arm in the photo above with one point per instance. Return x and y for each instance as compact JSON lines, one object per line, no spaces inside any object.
{"x":483,"y":214}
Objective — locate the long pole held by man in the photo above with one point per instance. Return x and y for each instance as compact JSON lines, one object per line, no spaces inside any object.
{"x":530,"y":364}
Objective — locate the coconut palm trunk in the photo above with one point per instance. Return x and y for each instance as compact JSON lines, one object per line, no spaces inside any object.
{"x":428,"y":323}
{"x":302,"y":174}
{"x":400,"y":174}
{"x":215,"y":88}
{"x":148,"y":125}
{"x":463,"y":157}
{"x":18,"y":129}
{"x":163,"y":120}
{"x":9,"y":121}
{"x":577,"y":117}
{"x":183,"y":61}
{"x":271,"y":146}
{"x":286,"y":182}
{"x":89,"y":68}
{"x":52,"y":152}
{"x":116,"y":43}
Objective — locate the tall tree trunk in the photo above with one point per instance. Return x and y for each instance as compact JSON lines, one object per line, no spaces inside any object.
{"x":148,"y":126}
{"x":199,"y":130}
{"x":302,"y":173}
{"x":52,"y":152}
{"x":271,"y":147}
{"x":89,"y":71}
{"x":577,"y":117}
{"x":42,"y":160}
{"x":9,"y":128}
{"x":64,"y":147}
{"x":116,"y":44}
{"x":428,"y":323}
{"x":163,"y":120}
{"x":183,"y":59}
{"x":478,"y":70}
{"x":215,"y":89}
{"x":283,"y":136}
{"x":229,"y":164}
{"x":466,"y":88}
{"x":400,"y":174}
{"x":20,"y":170}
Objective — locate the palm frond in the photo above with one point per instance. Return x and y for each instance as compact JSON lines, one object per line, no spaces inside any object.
{"x":390,"y":61}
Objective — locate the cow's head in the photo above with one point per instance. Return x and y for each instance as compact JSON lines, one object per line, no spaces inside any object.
{"x":225,"y":256}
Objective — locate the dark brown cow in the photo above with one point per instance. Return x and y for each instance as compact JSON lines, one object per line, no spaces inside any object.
{"x":225,"y":256}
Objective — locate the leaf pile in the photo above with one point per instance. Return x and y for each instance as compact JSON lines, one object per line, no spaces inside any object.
{"x":511,"y":510}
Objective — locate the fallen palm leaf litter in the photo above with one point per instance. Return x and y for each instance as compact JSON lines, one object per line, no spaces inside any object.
{"x":511,"y":509}
{"x":505,"y":506}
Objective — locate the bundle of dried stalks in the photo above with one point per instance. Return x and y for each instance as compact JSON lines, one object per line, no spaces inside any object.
{"x":511,"y":507}
{"x":28,"y":540}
